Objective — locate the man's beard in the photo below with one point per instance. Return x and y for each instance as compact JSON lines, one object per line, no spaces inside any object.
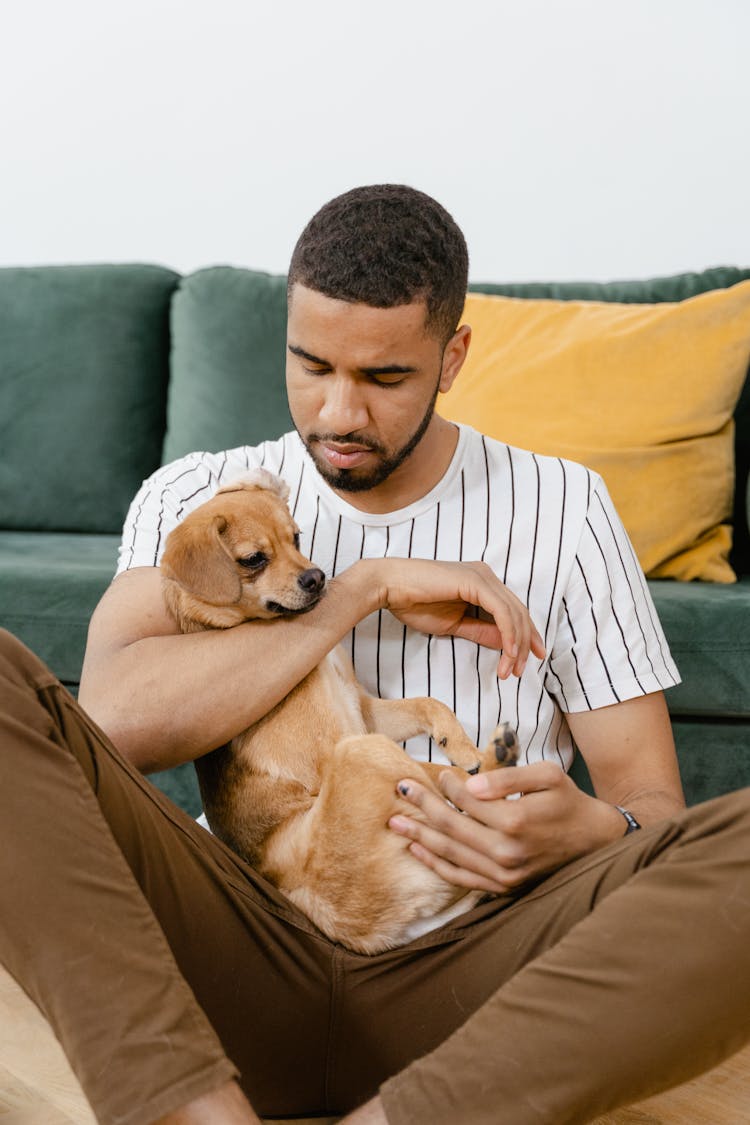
{"x":351,"y":480}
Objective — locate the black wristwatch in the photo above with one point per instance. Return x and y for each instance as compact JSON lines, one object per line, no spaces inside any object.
{"x":633,"y":824}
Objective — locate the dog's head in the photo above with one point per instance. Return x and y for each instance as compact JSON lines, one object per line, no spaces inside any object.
{"x":237,"y":558}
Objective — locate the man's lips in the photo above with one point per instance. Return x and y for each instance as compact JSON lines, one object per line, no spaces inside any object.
{"x":344,"y":456}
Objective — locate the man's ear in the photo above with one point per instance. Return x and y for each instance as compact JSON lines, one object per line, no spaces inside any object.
{"x":454,"y":355}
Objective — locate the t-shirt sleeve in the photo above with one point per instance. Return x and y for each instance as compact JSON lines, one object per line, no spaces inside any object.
{"x":609,"y":645}
{"x":165,"y":498}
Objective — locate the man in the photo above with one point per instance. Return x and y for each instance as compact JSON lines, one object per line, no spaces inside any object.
{"x":443,"y":548}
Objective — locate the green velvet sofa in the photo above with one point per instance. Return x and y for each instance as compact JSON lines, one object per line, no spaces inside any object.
{"x":107,"y":371}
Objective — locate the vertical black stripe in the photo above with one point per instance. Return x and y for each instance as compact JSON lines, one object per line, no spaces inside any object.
{"x":596,"y":630}
{"x":536,"y":529}
{"x":182,"y":500}
{"x":299,"y":489}
{"x":429,"y":690}
{"x":574,"y":654}
{"x":482,"y":556}
{"x":552,"y":672}
{"x":612,"y":606}
{"x":336,"y":549}
{"x":430,"y":637}
{"x":361,"y":555}
{"x":559,"y":548}
{"x":453,"y":657}
{"x":512,"y":513}
{"x":135,"y":525}
{"x":487,"y":481}
{"x":380,"y":622}
{"x":633,"y":596}
{"x":403,"y":636}
{"x":315,"y":527}
{"x":547,"y":661}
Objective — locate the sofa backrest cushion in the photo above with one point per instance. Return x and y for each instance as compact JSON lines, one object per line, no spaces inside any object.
{"x":84,"y":365}
{"x":228,"y":361}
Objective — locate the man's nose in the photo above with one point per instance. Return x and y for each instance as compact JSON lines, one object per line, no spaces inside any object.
{"x":344,"y":410}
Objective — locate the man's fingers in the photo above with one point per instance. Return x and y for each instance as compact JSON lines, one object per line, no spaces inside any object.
{"x":504,"y":782}
{"x":456,"y":861}
{"x":457,"y":876}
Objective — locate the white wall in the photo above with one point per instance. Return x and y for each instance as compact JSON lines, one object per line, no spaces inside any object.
{"x":570,"y":139}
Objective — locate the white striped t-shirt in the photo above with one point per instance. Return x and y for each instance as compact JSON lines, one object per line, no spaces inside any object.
{"x":546,"y":526}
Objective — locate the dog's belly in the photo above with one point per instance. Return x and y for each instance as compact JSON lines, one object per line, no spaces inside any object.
{"x":342,"y":866}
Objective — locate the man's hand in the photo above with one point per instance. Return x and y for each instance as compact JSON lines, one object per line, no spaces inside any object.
{"x":441,"y":598}
{"x":494,"y":844}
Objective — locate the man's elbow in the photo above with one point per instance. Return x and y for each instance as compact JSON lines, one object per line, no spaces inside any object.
{"x":120,"y":728}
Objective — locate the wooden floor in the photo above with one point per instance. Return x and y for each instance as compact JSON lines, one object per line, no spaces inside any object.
{"x":37,"y":1086}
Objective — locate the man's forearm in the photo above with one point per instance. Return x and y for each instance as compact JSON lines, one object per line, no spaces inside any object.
{"x":167,"y":699}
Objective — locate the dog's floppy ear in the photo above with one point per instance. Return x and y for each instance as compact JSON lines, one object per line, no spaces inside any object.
{"x":197,"y":557}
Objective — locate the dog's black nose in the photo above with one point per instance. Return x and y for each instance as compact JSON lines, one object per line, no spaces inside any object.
{"x":312,"y":581}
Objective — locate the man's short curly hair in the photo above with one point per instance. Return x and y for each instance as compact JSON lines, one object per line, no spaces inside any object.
{"x":386,"y":245}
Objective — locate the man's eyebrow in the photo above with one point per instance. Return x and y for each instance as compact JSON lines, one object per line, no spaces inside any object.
{"x":295,"y":350}
{"x":386,"y":369}
{"x":389,"y":369}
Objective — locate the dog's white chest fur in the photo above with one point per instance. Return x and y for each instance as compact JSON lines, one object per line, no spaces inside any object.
{"x":344,"y":691}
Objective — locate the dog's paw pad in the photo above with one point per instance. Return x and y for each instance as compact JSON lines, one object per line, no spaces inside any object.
{"x":505,"y":745}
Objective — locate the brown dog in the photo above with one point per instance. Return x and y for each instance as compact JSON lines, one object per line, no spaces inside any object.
{"x":305,"y":794}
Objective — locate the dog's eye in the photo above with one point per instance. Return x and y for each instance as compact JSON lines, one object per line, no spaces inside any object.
{"x":254,"y":562}
{"x":296,"y":539}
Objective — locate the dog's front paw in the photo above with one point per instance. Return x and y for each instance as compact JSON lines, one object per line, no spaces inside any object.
{"x":458,"y":749}
{"x":502,"y":750}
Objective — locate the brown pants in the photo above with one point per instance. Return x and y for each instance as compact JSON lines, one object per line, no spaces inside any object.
{"x":158,"y":956}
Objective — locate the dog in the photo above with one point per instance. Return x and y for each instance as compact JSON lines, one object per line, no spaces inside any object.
{"x":306,"y":793}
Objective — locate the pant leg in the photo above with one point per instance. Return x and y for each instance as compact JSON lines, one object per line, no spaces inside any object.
{"x":97,"y":868}
{"x":624,"y":974}
{"x":154,"y":952}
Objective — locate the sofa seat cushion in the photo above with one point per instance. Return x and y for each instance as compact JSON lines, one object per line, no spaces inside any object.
{"x":706,"y":626}
{"x":50,"y":584}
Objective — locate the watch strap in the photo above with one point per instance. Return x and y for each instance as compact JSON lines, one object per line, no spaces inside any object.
{"x":632,"y":823}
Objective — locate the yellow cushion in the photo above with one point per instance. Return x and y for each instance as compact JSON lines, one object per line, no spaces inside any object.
{"x":643,"y":394}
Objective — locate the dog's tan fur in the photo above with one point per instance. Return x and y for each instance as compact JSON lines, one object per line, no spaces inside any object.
{"x":305,"y":794}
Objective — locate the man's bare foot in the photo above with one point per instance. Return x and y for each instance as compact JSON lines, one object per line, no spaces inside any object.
{"x":371,"y":1113}
{"x":225,"y":1106}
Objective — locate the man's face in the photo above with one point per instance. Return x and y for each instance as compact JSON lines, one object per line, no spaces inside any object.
{"x":362,"y":384}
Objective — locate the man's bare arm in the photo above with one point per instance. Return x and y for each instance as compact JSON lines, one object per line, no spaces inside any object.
{"x":166,"y":698}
